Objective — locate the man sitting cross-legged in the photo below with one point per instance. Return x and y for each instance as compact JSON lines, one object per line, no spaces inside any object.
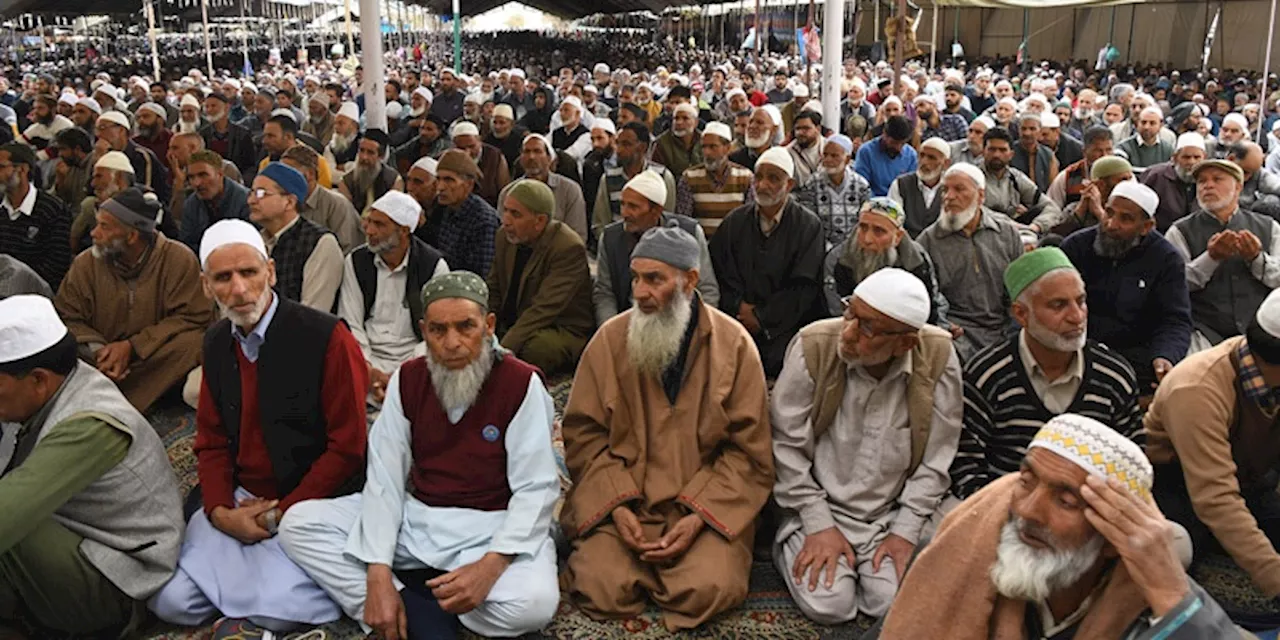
{"x":667,"y":441}
{"x":866,"y":419}
{"x":454,"y":523}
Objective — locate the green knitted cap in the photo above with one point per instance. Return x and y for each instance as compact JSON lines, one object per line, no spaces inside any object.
{"x":1031,"y":266}
{"x":534,"y":195}
{"x":1108,"y":166}
{"x":456,"y":284}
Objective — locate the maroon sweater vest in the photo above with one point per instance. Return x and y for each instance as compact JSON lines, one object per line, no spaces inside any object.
{"x":463,"y":465}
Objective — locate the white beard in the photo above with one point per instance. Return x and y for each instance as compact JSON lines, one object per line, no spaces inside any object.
{"x":1022,"y":572}
{"x":956,"y":221}
{"x":457,"y":389}
{"x":834,"y":172}
{"x":1210,"y":205}
{"x":340,"y":143}
{"x":1184,"y":174}
{"x":246,"y":319}
{"x":758,"y":141}
{"x":680,"y":133}
{"x":930,"y":177}
{"x":715,"y":165}
{"x":653,"y":339}
{"x":1053,"y":340}
{"x":417,"y":111}
{"x":188,"y":127}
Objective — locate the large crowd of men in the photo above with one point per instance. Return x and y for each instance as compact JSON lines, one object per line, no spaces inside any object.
{"x":995,"y":355}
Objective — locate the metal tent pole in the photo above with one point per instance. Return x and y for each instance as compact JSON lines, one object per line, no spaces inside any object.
{"x":1266,"y":70}
{"x":151,"y":35}
{"x":208,"y":48}
{"x":832,"y":62}
{"x":375,"y":99}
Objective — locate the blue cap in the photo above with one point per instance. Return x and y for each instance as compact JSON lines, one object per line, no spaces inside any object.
{"x":289,"y":179}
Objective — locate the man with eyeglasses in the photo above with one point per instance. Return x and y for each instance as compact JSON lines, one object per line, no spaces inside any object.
{"x":1012,"y":388}
{"x":866,"y":419}
{"x":308,"y":260}
{"x":113,"y":131}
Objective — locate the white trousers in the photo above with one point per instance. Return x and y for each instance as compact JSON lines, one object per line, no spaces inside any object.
{"x":855,"y":589}
{"x":314,"y":534}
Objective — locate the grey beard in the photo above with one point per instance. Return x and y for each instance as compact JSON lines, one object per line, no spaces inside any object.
{"x":715,"y":165}
{"x":148,"y":132}
{"x":866,"y":262}
{"x":458,"y":389}
{"x":188,"y":127}
{"x":340,"y":143}
{"x":248,"y":319}
{"x":383,"y":247}
{"x":114,"y":249}
{"x":12,"y":183}
{"x":1022,"y":572}
{"x":654,"y":339}
{"x":363,"y":177}
{"x":1184,"y":175}
{"x":1052,"y":340}
{"x":1107,"y":247}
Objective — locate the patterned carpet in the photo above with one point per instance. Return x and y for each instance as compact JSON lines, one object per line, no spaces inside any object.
{"x":767,"y":613}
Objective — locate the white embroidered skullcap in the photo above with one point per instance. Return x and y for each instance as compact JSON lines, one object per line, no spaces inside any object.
{"x":801,"y":91}
{"x":1098,"y":449}
{"x":970,"y":171}
{"x":1049,"y":120}
{"x":226,"y":232}
{"x":897,"y":294}
{"x":1191,"y":139}
{"x":1268,"y":315}
{"x":1237,"y":118}
{"x":153,"y":108}
{"x":606,"y":125}
{"x":780,"y":158}
{"x":504,"y":111}
{"x":572,"y":101}
{"x":720,"y":130}
{"x":350,"y":111}
{"x":939,"y":145}
{"x":425,"y":93}
{"x":426,"y":163}
{"x":400,"y":207}
{"x":91,"y":104}
{"x":288,"y":113}
{"x":1137,"y":193}
{"x":115,"y":161}
{"x":650,"y":185}
{"x":465,"y":128}
{"x":28,"y":325}
{"x":189,"y":100}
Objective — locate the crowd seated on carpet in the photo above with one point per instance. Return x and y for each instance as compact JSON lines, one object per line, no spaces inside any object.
{"x":997,"y":354}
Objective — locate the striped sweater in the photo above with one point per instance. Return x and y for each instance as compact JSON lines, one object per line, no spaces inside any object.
{"x":1002,"y":412}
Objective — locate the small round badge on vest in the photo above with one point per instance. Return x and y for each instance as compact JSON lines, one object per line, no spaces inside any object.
{"x":490,"y":433}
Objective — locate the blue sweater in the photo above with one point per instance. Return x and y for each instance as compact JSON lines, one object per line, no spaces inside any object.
{"x":1138,"y":305}
{"x":875,"y":164}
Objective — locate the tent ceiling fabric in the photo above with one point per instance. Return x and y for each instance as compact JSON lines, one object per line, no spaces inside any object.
{"x":1032,"y":4}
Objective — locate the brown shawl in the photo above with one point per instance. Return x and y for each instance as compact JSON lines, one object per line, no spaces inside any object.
{"x":948,"y":591}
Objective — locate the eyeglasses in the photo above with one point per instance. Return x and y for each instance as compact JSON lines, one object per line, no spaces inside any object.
{"x":864,"y":324}
{"x":261,"y":193}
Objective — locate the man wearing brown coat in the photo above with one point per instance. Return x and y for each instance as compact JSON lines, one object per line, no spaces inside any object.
{"x":540,"y":284}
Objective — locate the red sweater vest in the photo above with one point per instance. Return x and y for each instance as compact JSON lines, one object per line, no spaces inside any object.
{"x":463,"y":465}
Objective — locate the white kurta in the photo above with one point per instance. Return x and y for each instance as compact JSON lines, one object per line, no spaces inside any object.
{"x":335,"y":540}
{"x":386,"y":338}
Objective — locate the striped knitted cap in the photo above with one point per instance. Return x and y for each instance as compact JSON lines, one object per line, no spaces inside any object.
{"x":1098,"y":449}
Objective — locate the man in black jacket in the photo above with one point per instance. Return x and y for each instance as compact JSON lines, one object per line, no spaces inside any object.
{"x":231,"y":141}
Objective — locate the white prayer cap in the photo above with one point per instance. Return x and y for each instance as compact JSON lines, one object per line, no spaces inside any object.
{"x":600,"y":68}
{"x":720,"y":130}
{"x":1038,"y":97}
{"x":394,"y":110}
{"x":1240,"y":121}
{"x":189,"y":100}
{"x":28,"y":325}
{"x":235,"y":84}
{"x":424,"y":92}
{"x":504,"y":111}
{"x":70,"y":98}
{"x":780,"y":158}
{"x":891,"y":100}
{"x":970,"y":171}
{"x":1191,"y":139}
{"x":153,"y":108}
{"x":519,"y":73}
{"x":288,"y":113}
{"x":845,"y":143}
{"x":448,"y":70}
{"x":108,"y":90}
{"x":1098,"y":449}
{"x":574,"y":102}
{"x":465,"y":128}
{"x":1049,"y":120}
{"x":250,"y":86}
{"x":1155,"y":111}
{"x":91,"y":104}
{"x":426,"y":163}
{"x":225,"y":232}
{"x":939,"y":145}
{"x":814,"y":106}
{"x":591,"y":88}
{"x":688,"y":108}
{"x":774,"y":114}
{"x":400,"y":207}
{"x":115,"y":161}
{"x":546,"y":142}
{"x":1009,"y":101}
{"x":897,"y":294}
{"x":801,"y":91}
{"x":1268,"y":315}
{"x":650,"y":185}
{"x":922,"y":97}
{"x":473,"y":98}
{"x":985,"y":121}
{"x":1137,"y":193}
{"x":606,"y":125}
{"x":350,"y":111}
{"x":736,"y":91}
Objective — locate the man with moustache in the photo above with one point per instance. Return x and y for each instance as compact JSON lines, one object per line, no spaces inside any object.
{"x":189,"y":119}
{"x":1173,"y":181}
{"x":917,"y":191}
{"x":372,"y":176}
{"x":1072,"y":181}
{"x":493,"y":172}
{"x":35,"y":225}
{"x":888,"y":156}
{"x":667,"y":442}
{"x":806,"y":147}
{"x":1014,"y":387}
{"x":134,"y":302}
{"x":324,"y":206}
{"x":214,"y":196}
{"x":642,"y":209}
{"x":930,"y":123}
{"x":152,"y":133}
{"x":1137,"y":284}
{"x":1033,"y":159}
{"x":711,"y":190}
{"x":71,"y":174}
{"x":1104,"y":175}
{"x":464,"y":223}
{"x":681,"y":146}
{"x":875,"y":384}
{"x":453,"y":526}
{"x":1232,"y":254}
{"x":319,"y":119}
{"x":879,"y":241}
{"x":113,"y":130}
{"x":381,"y":283}
{"x":160,"y":95}
{"x":1069,"y":546}
{"x":343,"y":146}
{"x":768,"y":261}
{"x":280,"y":420}
{"x":1009,"y":191}
{"x":306,"y":259}
{"x":971,"y":246}
{"x":602,"y":156}
{"x":835,"y":191}
{"x":953,"y":100}
{"x":762,"y":132}
{"x":1147,"y":147}
{"x":969,"y":149}
{"x":505,"y":134}
{"x":85,"y":113}
{"x":632,"y":143}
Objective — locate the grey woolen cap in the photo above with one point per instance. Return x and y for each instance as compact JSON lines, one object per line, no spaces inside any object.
{"x":669,"y":244}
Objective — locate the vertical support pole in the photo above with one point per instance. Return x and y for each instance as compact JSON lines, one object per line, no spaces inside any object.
{"x":1133,"y":16}
{"x":208,"y":47}
{"x":1266,"y":71}
{"x":351,"y":44}
{"x":933,"y":39}
{"x":832,"y":61}
{"x":151,"y":35}
{"x":375,"y":98}
{"x":457,"y":38}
